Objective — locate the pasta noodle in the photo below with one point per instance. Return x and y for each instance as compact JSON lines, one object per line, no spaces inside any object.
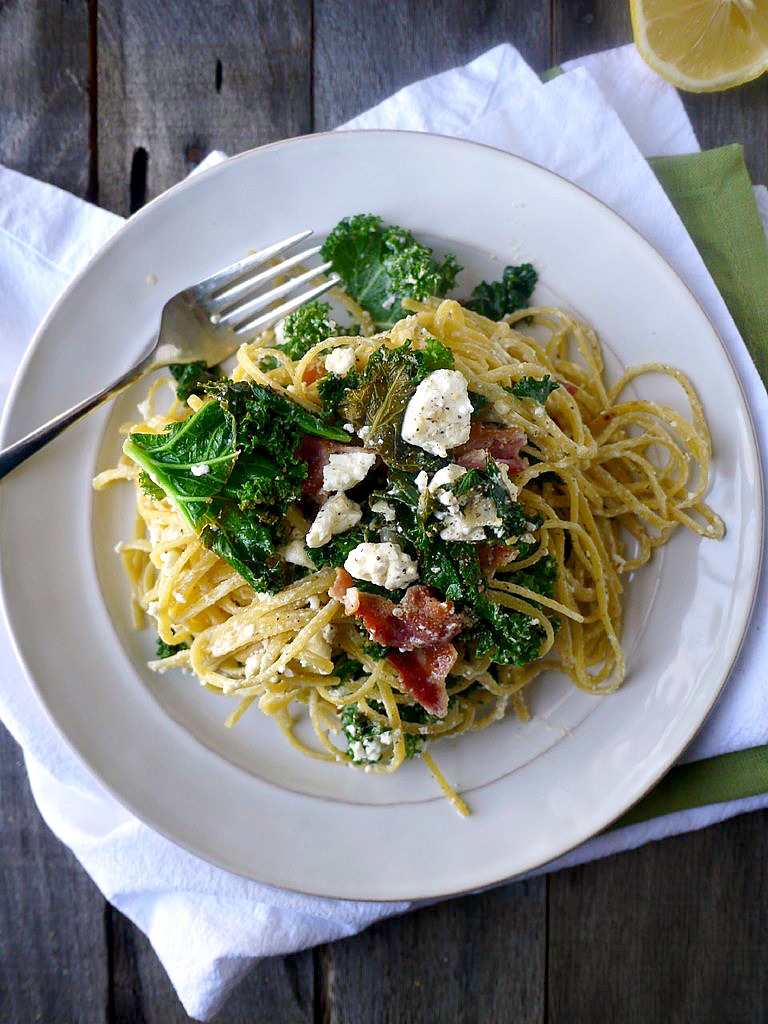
{"x":609,"y":475}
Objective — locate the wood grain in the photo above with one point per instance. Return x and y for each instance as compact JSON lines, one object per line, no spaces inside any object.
{"x":44,"y":101}
{"x":278,"y":989}
{"x":674,"y":932}
{"x":53,"y":956}
{"x":475,"y":958}
{"x":365,"y":51}
{"x":179,"y":79}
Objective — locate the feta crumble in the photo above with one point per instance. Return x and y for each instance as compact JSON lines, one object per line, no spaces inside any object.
{"x":438,"y":415}
{"x":338,"y":514}
{"x":469,"y":523}
{"x":386,"y":565}
{"x":340,"y":360}
{"x":346,"y":469}
{"x":201,"y":469}
{"x":295,"y":553}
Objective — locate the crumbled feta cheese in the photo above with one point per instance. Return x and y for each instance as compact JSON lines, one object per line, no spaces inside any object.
{"x":179,"y":598}
{"x":349,"y":427}
{"x":538,"y":411}
{"x":469,"y":523}
{"x":363,"y":433}
{"x":421,"y":482}
{"x":446,"y":477}
{"x":383,"y":509}
{"x":386,"y":565}
{"x":340,"y":360}
{"x":335,"y":516}
{"x":346,"y":469}
{"x":314,"y":602}
{"x":438,"y":416}
{"x":357,"y":750}
{"x":201,"y":469}
{"x":295,"y":553}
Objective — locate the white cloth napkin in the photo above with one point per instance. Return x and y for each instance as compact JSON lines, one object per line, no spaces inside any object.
{"x":594,"y":125}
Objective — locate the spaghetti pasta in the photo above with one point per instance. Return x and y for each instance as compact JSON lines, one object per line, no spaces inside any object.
{"x":604,"y":478}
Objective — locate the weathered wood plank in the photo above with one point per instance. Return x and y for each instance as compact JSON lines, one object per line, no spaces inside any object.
{"x":279,"y":990}
{"x":738,"y":115}
{"x":484,"y":952}
{"x":44,"y":102}
{"x":366,"y":51}
{"x":178,"y":79}
{"x":53,"y":954}
{"x":673,"y":932}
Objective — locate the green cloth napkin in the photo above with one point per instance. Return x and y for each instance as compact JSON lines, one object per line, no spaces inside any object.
{"x":712,"y":193}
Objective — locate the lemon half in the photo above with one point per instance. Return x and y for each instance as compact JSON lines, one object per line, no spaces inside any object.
{"x":703,"y":45}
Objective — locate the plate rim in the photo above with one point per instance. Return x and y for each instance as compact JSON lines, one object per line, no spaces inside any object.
{"x":16,"y":389}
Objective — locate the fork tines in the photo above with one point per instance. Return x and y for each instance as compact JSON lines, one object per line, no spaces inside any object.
{"x":235,"y":294}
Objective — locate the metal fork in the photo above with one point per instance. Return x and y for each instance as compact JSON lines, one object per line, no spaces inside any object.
{"x":205,"y":322}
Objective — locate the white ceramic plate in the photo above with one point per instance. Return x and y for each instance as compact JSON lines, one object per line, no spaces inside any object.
{"x":244,"y":799}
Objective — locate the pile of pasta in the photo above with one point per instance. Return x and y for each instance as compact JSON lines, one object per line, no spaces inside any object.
{"x":610,"y":475}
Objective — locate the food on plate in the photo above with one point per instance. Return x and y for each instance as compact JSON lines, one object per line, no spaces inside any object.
{"x":398,"y":524}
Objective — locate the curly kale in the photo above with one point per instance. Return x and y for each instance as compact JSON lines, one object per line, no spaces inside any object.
{"x":538,"y":390}
{"x":267,"y":420}
{"x":335,"y":552}
{"x":191,"y":378}
{"x":509,"y":637}
{"x":495,"y":298}
{"x":231,"y":470}
{"x":347,"y":668}
{"x":164,"y":650}
{"x":306,"y":327}
{"x":381,"y":265}
{"x":539,"y":577}
{"x":332,"y":390}
{"x":363,"y":736}
{"x":379,"y":401}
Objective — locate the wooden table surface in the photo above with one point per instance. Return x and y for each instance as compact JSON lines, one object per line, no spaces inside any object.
{"x":116,"y":100}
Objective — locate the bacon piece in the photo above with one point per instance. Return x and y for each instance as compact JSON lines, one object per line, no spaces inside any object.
{"x":316,"y":451}
{"x":344,"y":590}
{"x":495,"y":556}
{"x":423,"y":674}
{"x":503,"y":443}
{"x":314,"y":372}
{"x":420,"y":620}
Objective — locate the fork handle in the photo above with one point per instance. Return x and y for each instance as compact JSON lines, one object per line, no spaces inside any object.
{"x":18,"y":452}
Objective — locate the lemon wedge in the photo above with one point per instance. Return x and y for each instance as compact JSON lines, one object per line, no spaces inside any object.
{"x":703,"y":45}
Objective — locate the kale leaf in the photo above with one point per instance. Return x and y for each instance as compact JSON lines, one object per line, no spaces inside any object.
{"x":335,"y":552}
{"x":538,"y":390}
{"x":306,"y":327}
{"x":191,"y":378}
{"x":515,"y":520}
{"x":164,"y":650}
{"x":249,"y":546}
{"x":149,"y":487}
{"x":269,"y":421}
{"x":539,"y":577}
{"x":379,"y":402}
{"x":347,"y":668}
{"x":380,"y":265}
{"x":174,"y":460}
{"x":509,"y":637}
{"x":332,"y":389}
{"x":231,"y":470}
{"x":495,"y":298}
